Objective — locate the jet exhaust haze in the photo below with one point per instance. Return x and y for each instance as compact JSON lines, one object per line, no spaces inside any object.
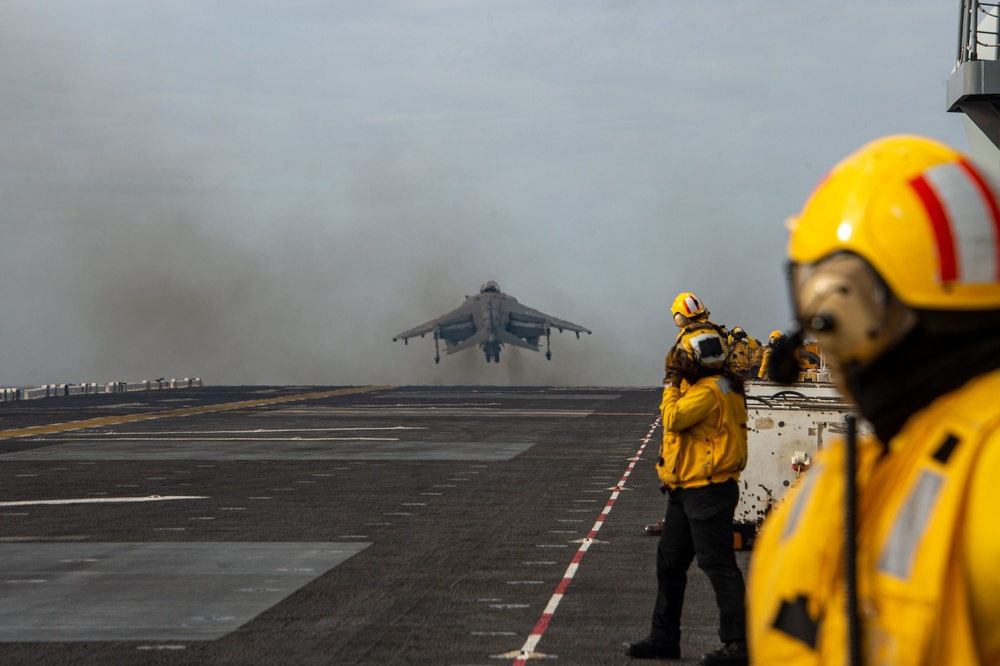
{"x":267,"y":196}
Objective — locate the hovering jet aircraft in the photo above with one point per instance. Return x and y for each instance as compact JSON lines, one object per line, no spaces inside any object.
{"x":491,"y":319}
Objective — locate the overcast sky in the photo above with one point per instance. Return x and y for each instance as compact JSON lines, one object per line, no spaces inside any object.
{"x":266,"y":192}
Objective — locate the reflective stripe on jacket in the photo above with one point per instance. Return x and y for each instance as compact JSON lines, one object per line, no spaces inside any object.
{"x":704,"y":433}
{"x":928,"y":578}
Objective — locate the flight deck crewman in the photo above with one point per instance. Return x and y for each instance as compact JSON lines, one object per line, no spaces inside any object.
{"x":765,"y":360}
{"x":703,"y":451}
{"x":743,"y":349}
{"x":687,"y":309}
{"x":896,"y":273}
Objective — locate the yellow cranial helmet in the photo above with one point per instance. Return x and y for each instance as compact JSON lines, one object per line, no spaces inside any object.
{"x":919,"y":213}
{"x":700,"y":344}
{"x":687,"y":305}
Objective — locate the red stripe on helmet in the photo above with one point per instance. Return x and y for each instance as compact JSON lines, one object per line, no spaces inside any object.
{"x":991,"y":204}
{"x":941,"y":228}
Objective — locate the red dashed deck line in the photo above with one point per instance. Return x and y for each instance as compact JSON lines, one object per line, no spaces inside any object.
{"x":527,"y":650}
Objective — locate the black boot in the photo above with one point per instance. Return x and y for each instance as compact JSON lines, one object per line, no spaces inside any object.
{"x":648,"y":648}
{"x":733,"y":653}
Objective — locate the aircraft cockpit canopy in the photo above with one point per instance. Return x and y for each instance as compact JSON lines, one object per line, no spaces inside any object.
{"x":490,"y":287}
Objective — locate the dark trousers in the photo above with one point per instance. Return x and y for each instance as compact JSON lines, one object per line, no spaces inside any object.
{"x":699,"y":522}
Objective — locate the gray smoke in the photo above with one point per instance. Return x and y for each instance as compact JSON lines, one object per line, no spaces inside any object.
{"x":269,"y":195}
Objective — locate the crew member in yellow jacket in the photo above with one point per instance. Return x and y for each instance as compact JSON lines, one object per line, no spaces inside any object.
{"x":896,"y":273}
{"x":686,"y":310}
{"x":743,"y":350}
{"x":704,"y":448}
{"x":773,"y":341}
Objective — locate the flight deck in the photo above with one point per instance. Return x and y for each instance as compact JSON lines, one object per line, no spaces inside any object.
{"x":334,"y":525}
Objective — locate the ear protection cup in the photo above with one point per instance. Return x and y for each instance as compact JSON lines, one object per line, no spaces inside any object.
{"x":846,"y":307}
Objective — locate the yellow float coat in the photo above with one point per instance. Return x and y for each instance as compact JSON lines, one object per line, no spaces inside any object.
{"x":704,"y":433}
{"x":928,"y":558}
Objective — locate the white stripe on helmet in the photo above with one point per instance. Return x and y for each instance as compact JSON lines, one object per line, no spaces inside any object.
{"x":971,"y":220}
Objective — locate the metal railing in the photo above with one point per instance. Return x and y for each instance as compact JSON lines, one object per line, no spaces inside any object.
{"x":978,"y":31}
{"x":88,"y":388}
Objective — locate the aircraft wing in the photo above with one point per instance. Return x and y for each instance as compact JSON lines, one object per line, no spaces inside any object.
{"x":455,"y":326}
{"x":522,"y":316}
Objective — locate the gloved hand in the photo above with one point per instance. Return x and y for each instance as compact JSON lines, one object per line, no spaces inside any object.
{"x":670,"y":379}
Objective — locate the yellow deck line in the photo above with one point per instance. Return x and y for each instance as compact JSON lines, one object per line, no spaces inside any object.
{"x":187,"y":411}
